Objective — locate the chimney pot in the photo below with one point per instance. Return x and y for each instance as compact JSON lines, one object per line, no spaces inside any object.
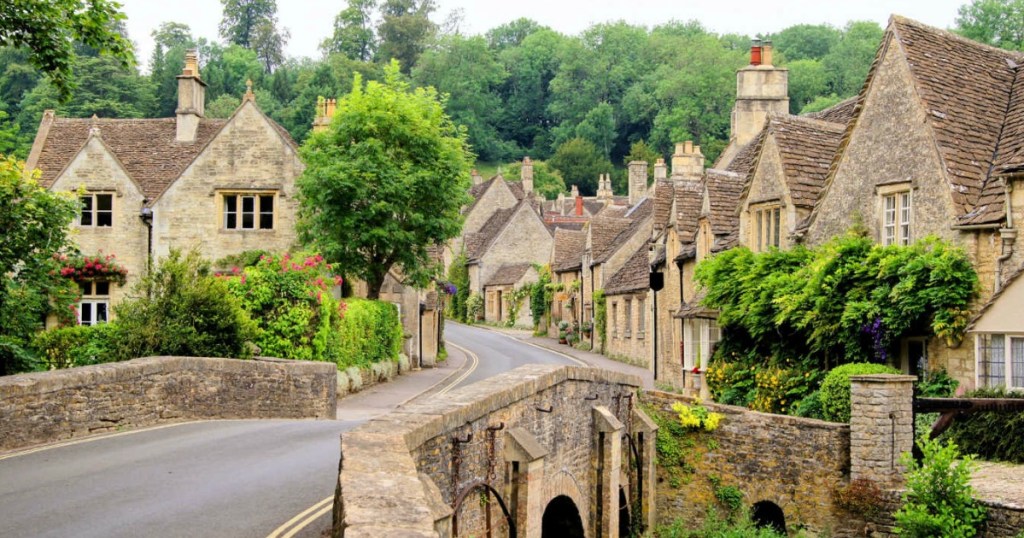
{"x":766,"y":53}
{"x":579,"y":205}
{"x":755,"y":52}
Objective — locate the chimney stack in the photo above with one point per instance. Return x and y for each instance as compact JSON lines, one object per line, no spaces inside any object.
{"x":526,"y":175}
{"x":477,"y":178}
{"x":687,"y":162}
{"x":637,"y":181}
{"x":604,"y":187}
{"x":324,"y":113}
{"x":660,"y":170}
{"x":579,"y":205}
{"x":575,"y":191}
{"x":761,"y":89}
{"x":191,"y":99}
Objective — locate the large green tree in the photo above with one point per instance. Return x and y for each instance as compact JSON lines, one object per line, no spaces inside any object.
{"x":353,"y":32}
{"x":996,"y":22}
{"x":580,"y":162}
{"x":34,"y":223}
{"x":405,"y":30}
{"x":50,"y":30}
{"x":385,"y":182}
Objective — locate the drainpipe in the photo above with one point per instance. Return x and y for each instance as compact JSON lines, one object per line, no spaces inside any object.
{"x":654,"y":331}
{"x":422,"y":308}
{"x":146,"y":214}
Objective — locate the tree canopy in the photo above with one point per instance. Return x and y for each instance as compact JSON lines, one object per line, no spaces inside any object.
{"x":996,"y":22}
{"x":385,"y":182}
{"x":50,"y":30}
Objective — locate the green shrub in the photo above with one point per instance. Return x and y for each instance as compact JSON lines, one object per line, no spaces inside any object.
{"x":601,"y":318}
{"x":290,"y":302}
{"x":370,"y":332}
{"x":715,"y":526}
{"x":458,"y":275}
{"x":809,"y":407}
{"x":474,"y":308}
{"x":835,"y":390}
{"x":990,"y":435}
{"x":939,"y":499}
{"x":79,"y":345}
{"x":936,"y":384}
{"x":182,"y":309}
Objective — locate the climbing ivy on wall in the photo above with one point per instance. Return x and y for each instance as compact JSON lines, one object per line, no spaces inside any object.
{"x":600,"y":317}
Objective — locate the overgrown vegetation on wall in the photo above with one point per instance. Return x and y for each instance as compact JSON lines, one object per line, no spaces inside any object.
{"x":458,"y":276}
{"x":790,"y":316}
{"x":601,"y":318}
{"x":370,"y":332}
{"x":990,"y":435}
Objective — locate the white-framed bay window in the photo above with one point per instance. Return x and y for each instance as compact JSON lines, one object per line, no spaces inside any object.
{"x":1000,"y":360}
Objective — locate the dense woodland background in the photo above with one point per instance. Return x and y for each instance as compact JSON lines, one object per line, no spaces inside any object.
{"x":585,"y":103}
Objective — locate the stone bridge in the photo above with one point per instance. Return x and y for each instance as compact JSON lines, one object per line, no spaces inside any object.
{"x":541,"y":451}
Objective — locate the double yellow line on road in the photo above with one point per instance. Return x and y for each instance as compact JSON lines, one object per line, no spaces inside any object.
{"x":315,"y":512}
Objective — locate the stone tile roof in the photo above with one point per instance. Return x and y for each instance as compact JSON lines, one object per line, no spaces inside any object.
{"x":1011,"y":144}
{"x":478,"y":190}
{"x":568,"y":255}
{"x":508,"y":274}
{"x":146,"y":148}
{"x":593,"y":206}
{"x":636,"y":218}
{"x":687,"y":251}
{"x":806,"y":148}
{"x":603,"y":231}
{"x":841,"y":112}
{"x":664,"y":195}
{"x":688,"y":195}
{"x":633,"y":276}
{"x":744,"y":160}
{"x":517,"y":189}
{"x":478,"y":243}
{"x":724,"y":189}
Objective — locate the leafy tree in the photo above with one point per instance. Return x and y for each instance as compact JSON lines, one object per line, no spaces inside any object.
{"x":808,"y":80}
{"x":35,"y":223}
{"x":820,"y":103}
{"x":848,"y":62}
{"x":181,"y":308}
{"x":241,"y":18}
{"x":467,"y":71}
{"x":512,"y":34}
{"x":50,"y":29}
{"x":385,"y":182}
{"x":170,"y":42}
{"x":404,"y":30}
{"x":458,"y":275}
{"x":546,"y":181}
{"x":640,"y":151}
{"x":598,"y":126}
{"x":806,"y":41}
{"x":526,"y":95}
{"x":268,"y":42}
{"x":580,"y":162}
{"x":11,"y":140}
{"x":996,"y":22}
{"x":353,"y":34}
{"x":223,"y":106}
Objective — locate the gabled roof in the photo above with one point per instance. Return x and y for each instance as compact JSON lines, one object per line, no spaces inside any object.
{"x":508,"y":274}
{"x":688,"y":202}
{"x":744,"y":159}
{"x":147,"y":148}
{"x":634,"y":275}
{"x":568,"y":255}
{"x":478,"y":243}
{"x":841,"y":112}
{"x":806,"y":149}
{"x":603,"y":231}
{"x":635,"y":218}
{"x":477,"y":191}
{"x":664,"y":194}
{"x":724,"y":189}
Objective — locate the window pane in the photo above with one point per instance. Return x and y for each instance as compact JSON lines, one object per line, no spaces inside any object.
{"x":85,"y":288}
{"x":759,"y":228}
{"x":248,"y":212}
{"x":86,"y":216}
{"x":776,"y":226}
{"x":231,"y":212}
{"x":230,"y":221}
{"x":103,"y":288}
{"x":85,"y":313}
{"x":230,"y":204}
{"x":248,"y":204}
{"x":104,"y":202}
{"x":266,"y":212}
{"x":641,"y":318}
{"x":992,"y":360}
{"x":1017,"y":362}
{"x":101,"y":312}
{"x":247,"y":221}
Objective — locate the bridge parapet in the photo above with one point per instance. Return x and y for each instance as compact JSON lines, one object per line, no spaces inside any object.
{"x":538,"y":446}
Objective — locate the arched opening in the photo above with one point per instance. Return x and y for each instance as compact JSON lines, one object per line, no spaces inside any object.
{"x":562,"y":519}
{"x":768,"y":514}
{"x":625,"y":523}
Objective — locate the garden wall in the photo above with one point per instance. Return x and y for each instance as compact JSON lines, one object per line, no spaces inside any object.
{"x":45,"y":407}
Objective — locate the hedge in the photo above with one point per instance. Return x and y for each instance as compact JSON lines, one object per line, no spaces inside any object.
{"x":370,"y":332}
{"x":835,"y":390}
{"x":991,"y":435}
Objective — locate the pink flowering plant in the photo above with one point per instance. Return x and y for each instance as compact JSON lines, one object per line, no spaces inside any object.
{"x":291,"y":300}
{"x":92,"y":268}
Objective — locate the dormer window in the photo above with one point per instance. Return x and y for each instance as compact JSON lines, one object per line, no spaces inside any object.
{"x":767,"y":227}
{"x":97,"y":210}
{"x":896,"y":218}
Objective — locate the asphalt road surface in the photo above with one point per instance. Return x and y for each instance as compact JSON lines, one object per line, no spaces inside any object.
{"x":244,"y":478}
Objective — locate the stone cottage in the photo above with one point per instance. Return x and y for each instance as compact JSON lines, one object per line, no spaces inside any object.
{"x":223,"y":186}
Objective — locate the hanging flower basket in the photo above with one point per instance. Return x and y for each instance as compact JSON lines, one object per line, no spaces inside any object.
{"x":92,"y":268}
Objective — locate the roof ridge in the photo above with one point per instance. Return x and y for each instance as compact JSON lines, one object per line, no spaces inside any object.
{"x":821,"y":124}
{"x":900,"y":19}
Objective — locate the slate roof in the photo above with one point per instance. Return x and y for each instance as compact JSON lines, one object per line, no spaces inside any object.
{"x":568,"y":255}
{"x":634,"y":275}
{"x":508,"y":274}
{"x":688,"y":203}
{"x":724,"y":189}
{"x":593,"y":206}
{"x":806,"y":149}
{"x":478,"y":243}
{"x":841,"y":112}
{"x":146,"y":148}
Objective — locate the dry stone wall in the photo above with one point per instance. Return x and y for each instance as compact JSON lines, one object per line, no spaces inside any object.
{"x":50,"y":406}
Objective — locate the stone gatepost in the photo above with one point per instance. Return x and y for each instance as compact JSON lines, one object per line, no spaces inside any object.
{"x":525,"y":456}
{"x":646,"y":432}
{"x":607,"y":464}
{"x":881,"y":426}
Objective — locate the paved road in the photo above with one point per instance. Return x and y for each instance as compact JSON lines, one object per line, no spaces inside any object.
{"x":220,"y":478}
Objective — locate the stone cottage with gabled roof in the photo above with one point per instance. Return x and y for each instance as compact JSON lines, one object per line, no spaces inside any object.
{"x":931,"y":150}
{"x":566,"y":270}
{"x":628,"y":296}
{"x":149,"y":185}
{"x":497,"y":290}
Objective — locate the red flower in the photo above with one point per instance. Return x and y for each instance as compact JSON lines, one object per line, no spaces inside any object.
{"x":696,"y":369}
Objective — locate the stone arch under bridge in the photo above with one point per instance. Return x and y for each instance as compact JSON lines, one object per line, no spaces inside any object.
{"x":493,"y":458}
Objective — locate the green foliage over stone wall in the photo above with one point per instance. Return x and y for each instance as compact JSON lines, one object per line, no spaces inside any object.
{"x":991,"y":435}
{"x":370,"y":332}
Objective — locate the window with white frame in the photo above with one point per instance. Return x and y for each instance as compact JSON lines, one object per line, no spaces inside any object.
{"x":1000,"y":360}
{"x":94,"y":306}
{"x":248,"y":211}
{"x":629,"y":318}
{"x":766,"y":227}
{"x":896,"y":218}
{"x":97,"y":210}
{"x":699,"y":339}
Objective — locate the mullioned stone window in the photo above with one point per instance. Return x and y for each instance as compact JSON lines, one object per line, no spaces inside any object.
{"x":248,"y":211}
{"x":1000,"y":360}
{"x":97,"y":210}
